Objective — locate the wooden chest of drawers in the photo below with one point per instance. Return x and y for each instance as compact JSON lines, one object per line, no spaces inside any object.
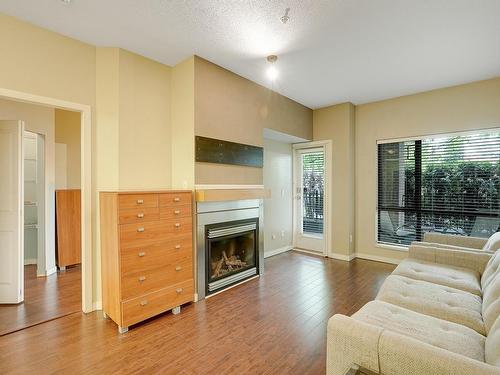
{"x":147,"y":254}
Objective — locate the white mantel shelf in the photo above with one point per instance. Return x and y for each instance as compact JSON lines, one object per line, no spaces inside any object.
{"x":218,"y":195}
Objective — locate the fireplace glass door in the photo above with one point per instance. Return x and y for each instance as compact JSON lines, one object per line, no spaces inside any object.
{"x":232,"y":254}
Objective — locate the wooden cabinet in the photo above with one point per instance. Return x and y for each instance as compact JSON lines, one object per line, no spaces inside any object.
{"x":68,"y":227}
{"x":147,"y":254}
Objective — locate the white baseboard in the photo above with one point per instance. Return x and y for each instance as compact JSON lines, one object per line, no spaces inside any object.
{"x":378,"y":258}
{"x":277,"y":251}
{"x":346,"y":258}
{"x":30,"y":261}
{"x":97,"y":305}
{"x":223,"y":187}
{"x":47,"y":273}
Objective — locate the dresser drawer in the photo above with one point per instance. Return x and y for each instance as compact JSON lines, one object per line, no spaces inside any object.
{"x":141,"y":308}
{"x":139,"y":215}
{"x":149,"y":233}
{"x":145,"y":258}
{"x":143,"y":234}
{"x":175,"y":199}
{"x":127,"y":201}
{"x":174,"y":212}
{"x":140,"y":283}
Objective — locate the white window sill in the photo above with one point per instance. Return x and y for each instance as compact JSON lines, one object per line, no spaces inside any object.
{"x":391,"y":247}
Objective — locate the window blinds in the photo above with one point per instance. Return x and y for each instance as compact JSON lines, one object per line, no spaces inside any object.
{"x":447,"y":184}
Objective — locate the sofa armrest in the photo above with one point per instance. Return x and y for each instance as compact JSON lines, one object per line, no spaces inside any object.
{"x":399,"y":354}
{"x":351,"y":342}
{"x":455,"y":240}
{"x":474,"y":260}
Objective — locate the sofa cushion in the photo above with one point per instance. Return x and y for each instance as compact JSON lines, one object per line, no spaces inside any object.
{"x":454,"y":277}
{"x":493,"y":243}
{"x":492,"y":345}
{"x":440,"y":333}
{"x":491,"y":302}
{"x":436,"y":300}
{"x":492,"y":267}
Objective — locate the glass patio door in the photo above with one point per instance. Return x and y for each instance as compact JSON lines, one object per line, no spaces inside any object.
{"x":309,"y":199}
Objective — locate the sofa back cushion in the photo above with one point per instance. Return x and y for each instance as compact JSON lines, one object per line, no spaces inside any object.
{"x":493,"y":243}
{"x":492,"y":345}
{"x":492,"y":267}
{"x":491,"y":302}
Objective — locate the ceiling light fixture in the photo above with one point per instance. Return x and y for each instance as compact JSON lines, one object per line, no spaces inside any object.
{"x":272,"y":72}
{"x":285,"y":18}
{"x":67,"y":2}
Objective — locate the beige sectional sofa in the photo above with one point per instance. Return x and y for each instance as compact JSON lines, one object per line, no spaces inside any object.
{"x":438,"y":313}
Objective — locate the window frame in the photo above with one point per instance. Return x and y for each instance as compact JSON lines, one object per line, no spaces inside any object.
{"x":403,"y":247}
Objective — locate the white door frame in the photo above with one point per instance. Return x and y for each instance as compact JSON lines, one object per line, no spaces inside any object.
{"x":327,"y":230}
{"x":86,"y":171}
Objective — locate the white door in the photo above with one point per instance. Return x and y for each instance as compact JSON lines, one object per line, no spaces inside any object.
{"x":310,"y":200}
{"x":11,"y":212}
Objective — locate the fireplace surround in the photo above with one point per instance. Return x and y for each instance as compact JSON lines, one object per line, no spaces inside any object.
{"x":229,"y":244}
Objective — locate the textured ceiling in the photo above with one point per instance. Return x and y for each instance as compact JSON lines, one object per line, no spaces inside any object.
{"x":330,"y":51}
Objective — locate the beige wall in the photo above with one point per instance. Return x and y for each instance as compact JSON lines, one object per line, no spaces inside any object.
{"x":232,"y":108}
{"x":144,"y":118}
{"x":40,"y":120}
{"x":336,"y":123}
{"x":182,"y":124}
{"x":133,"y":115}
{"x":67,"y":131}
{"x":278,"y":210}
{"x":460,"y":108}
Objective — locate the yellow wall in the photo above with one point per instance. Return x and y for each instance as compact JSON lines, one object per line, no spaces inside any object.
{"x":67,"y":131}
{"x":336,"y":123}
{"x":460,"y":108}
{"x":232,"y":108}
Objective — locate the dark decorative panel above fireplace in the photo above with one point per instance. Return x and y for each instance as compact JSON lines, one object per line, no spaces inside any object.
{"x":211,"y":150}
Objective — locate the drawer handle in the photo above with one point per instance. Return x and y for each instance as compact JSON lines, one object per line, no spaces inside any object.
{"x":177,"y":246}
{"x":141,"y":229}
{"x":140,"y":201}
{"x":177,"y":225}
{"x":178,"y":268}
{"x":178,"y":291}
{"x":177,"y":212}
{"x":141,"y":254}
{"x":140,"y":216}
{"x":142,"y":278}
{"x":177,"y":199}
{"x":144,"y":303}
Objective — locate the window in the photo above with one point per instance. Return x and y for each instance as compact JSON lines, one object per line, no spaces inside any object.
{"x":313,"y":171}
{"x":447,"y":184}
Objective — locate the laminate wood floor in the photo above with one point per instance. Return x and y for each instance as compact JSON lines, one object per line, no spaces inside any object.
{"x":272,"y":325}
{"x":45,"y":298}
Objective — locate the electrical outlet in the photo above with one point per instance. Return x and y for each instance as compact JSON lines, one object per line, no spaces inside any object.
{"x":273,"y":236}
{"x":282,"y":234}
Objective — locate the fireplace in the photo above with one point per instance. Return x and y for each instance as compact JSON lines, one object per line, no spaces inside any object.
{"x":231,"y":249}
{"x":229,"y":244}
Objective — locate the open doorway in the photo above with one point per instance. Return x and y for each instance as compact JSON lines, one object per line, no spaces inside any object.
{"x":50,"y":286}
